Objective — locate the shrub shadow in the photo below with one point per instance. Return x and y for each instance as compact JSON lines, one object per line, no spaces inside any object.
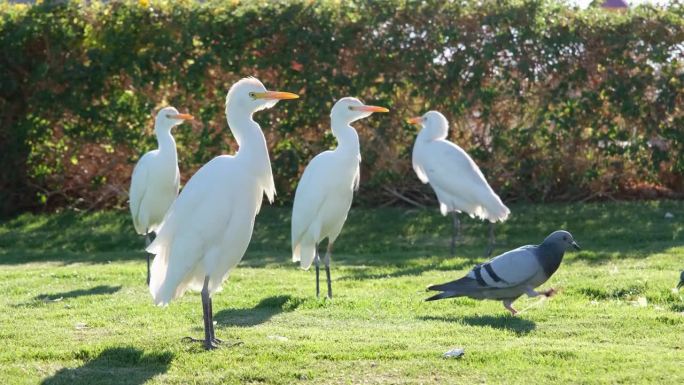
{"x":97,"y":290}
{"x":262,"y":312}
{"x":122,"y":365}
{"x":519,"y":326}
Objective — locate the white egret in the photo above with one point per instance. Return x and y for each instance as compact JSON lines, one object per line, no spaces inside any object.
{"x":207,"y":229}
{"x":156,"y":179}
{"x":454,"y":176}
{"x":325,"y":191}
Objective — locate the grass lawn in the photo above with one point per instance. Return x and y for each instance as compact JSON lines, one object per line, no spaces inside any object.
{"x":74,"y":307}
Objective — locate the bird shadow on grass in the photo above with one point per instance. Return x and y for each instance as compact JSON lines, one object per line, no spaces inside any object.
{"x":519,"y":326}
{"x":121,"y":365}
{"x":97,"y":290}
{"x":262,"y":312}
{"x":363,"y":274}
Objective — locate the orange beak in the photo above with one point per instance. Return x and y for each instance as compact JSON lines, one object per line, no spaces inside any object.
{"x":181,"y":116}
{"x":370,"y":109}
{"x":416,"y":120}
{"x":276,"y":95}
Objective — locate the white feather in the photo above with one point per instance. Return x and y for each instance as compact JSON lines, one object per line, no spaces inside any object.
{"x":457,"y":181}
{"x":322,"y":201}
{"x":208,"y":228}
{"x":326,"y":189}
{"x":155,"y":182}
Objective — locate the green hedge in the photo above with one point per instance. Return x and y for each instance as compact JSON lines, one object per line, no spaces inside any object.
{"x":554,"y":103}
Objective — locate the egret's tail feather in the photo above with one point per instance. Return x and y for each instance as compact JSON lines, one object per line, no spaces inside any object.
{"x":304,"y":253}
{"x":494,"y":210}
{"x":170,"y":281}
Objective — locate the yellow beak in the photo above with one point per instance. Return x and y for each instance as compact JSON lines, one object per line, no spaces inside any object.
{"x":276,"y":95}
{"x":181,"y":116}
{"x":369,"y":108}
{"x":416,"y":120}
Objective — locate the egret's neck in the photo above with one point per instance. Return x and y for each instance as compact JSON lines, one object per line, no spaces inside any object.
{"x":250,"y":139}
{"x":347,"y":138}
{"x":166,"y":143}
{"x":427,"y":136}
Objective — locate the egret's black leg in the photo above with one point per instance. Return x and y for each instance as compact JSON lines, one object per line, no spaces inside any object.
{"x":208,"y":322}
{"x":147,"y":243}
{"x":327,"y":268}
{"x":454,"y":235}
{"x":211,"y":322}
{"x":317,"y":261}
{"x":492,"y":241}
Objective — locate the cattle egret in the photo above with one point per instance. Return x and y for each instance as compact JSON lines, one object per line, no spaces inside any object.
{"x":455,"y":178}
{"x":512,"y":274}
{"x":207,"y":229}
{"x":325,"y":192}
{"x":155,"y":179}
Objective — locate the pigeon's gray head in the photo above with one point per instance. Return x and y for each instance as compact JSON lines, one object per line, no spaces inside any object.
{"x":561,"y":239}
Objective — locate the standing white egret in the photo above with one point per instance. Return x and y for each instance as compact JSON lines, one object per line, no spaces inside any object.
{"x":325,"y":192}
{"x":156,"y":179}
{"x":207,"y":229}
{"x":454,"y":176}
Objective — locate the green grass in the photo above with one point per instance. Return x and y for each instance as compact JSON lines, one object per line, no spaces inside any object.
{"x":74,"y":308}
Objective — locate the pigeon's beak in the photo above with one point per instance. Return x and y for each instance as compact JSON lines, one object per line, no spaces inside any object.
{"x":575,"y":245}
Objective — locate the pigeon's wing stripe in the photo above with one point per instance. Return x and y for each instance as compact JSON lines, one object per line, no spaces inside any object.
{"x":478,"y":275}
{"x":491,"y":272}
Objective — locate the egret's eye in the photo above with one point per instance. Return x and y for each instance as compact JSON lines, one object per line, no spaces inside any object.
{"x":350,"y":108}
{"x":565,"y":238}
{"x":168,"y":116}
{"x":253,"y":95}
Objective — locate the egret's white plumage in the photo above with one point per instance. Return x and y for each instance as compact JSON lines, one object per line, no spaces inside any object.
{"x":207,"y":229}
{"x":156,"y":179}
{"x":325,"y":191}
{"x":458,"y":183}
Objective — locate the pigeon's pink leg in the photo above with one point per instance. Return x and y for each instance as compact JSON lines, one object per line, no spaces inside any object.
{"x":507,"y":304}
{"x":550,"y":293}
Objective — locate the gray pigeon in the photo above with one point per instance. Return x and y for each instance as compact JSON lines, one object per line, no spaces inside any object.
{"x":511,"y":274}
{"x":681,"y":280}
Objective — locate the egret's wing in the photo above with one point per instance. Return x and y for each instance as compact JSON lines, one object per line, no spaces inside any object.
{"x":454,"y":171}
{"x":197,"y":218}
{"x":177,"y":180}
{"x":417,"y":161}
{"x":139,"y":182}
{"x":309,"y":198}
{"x":459,"y":183}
